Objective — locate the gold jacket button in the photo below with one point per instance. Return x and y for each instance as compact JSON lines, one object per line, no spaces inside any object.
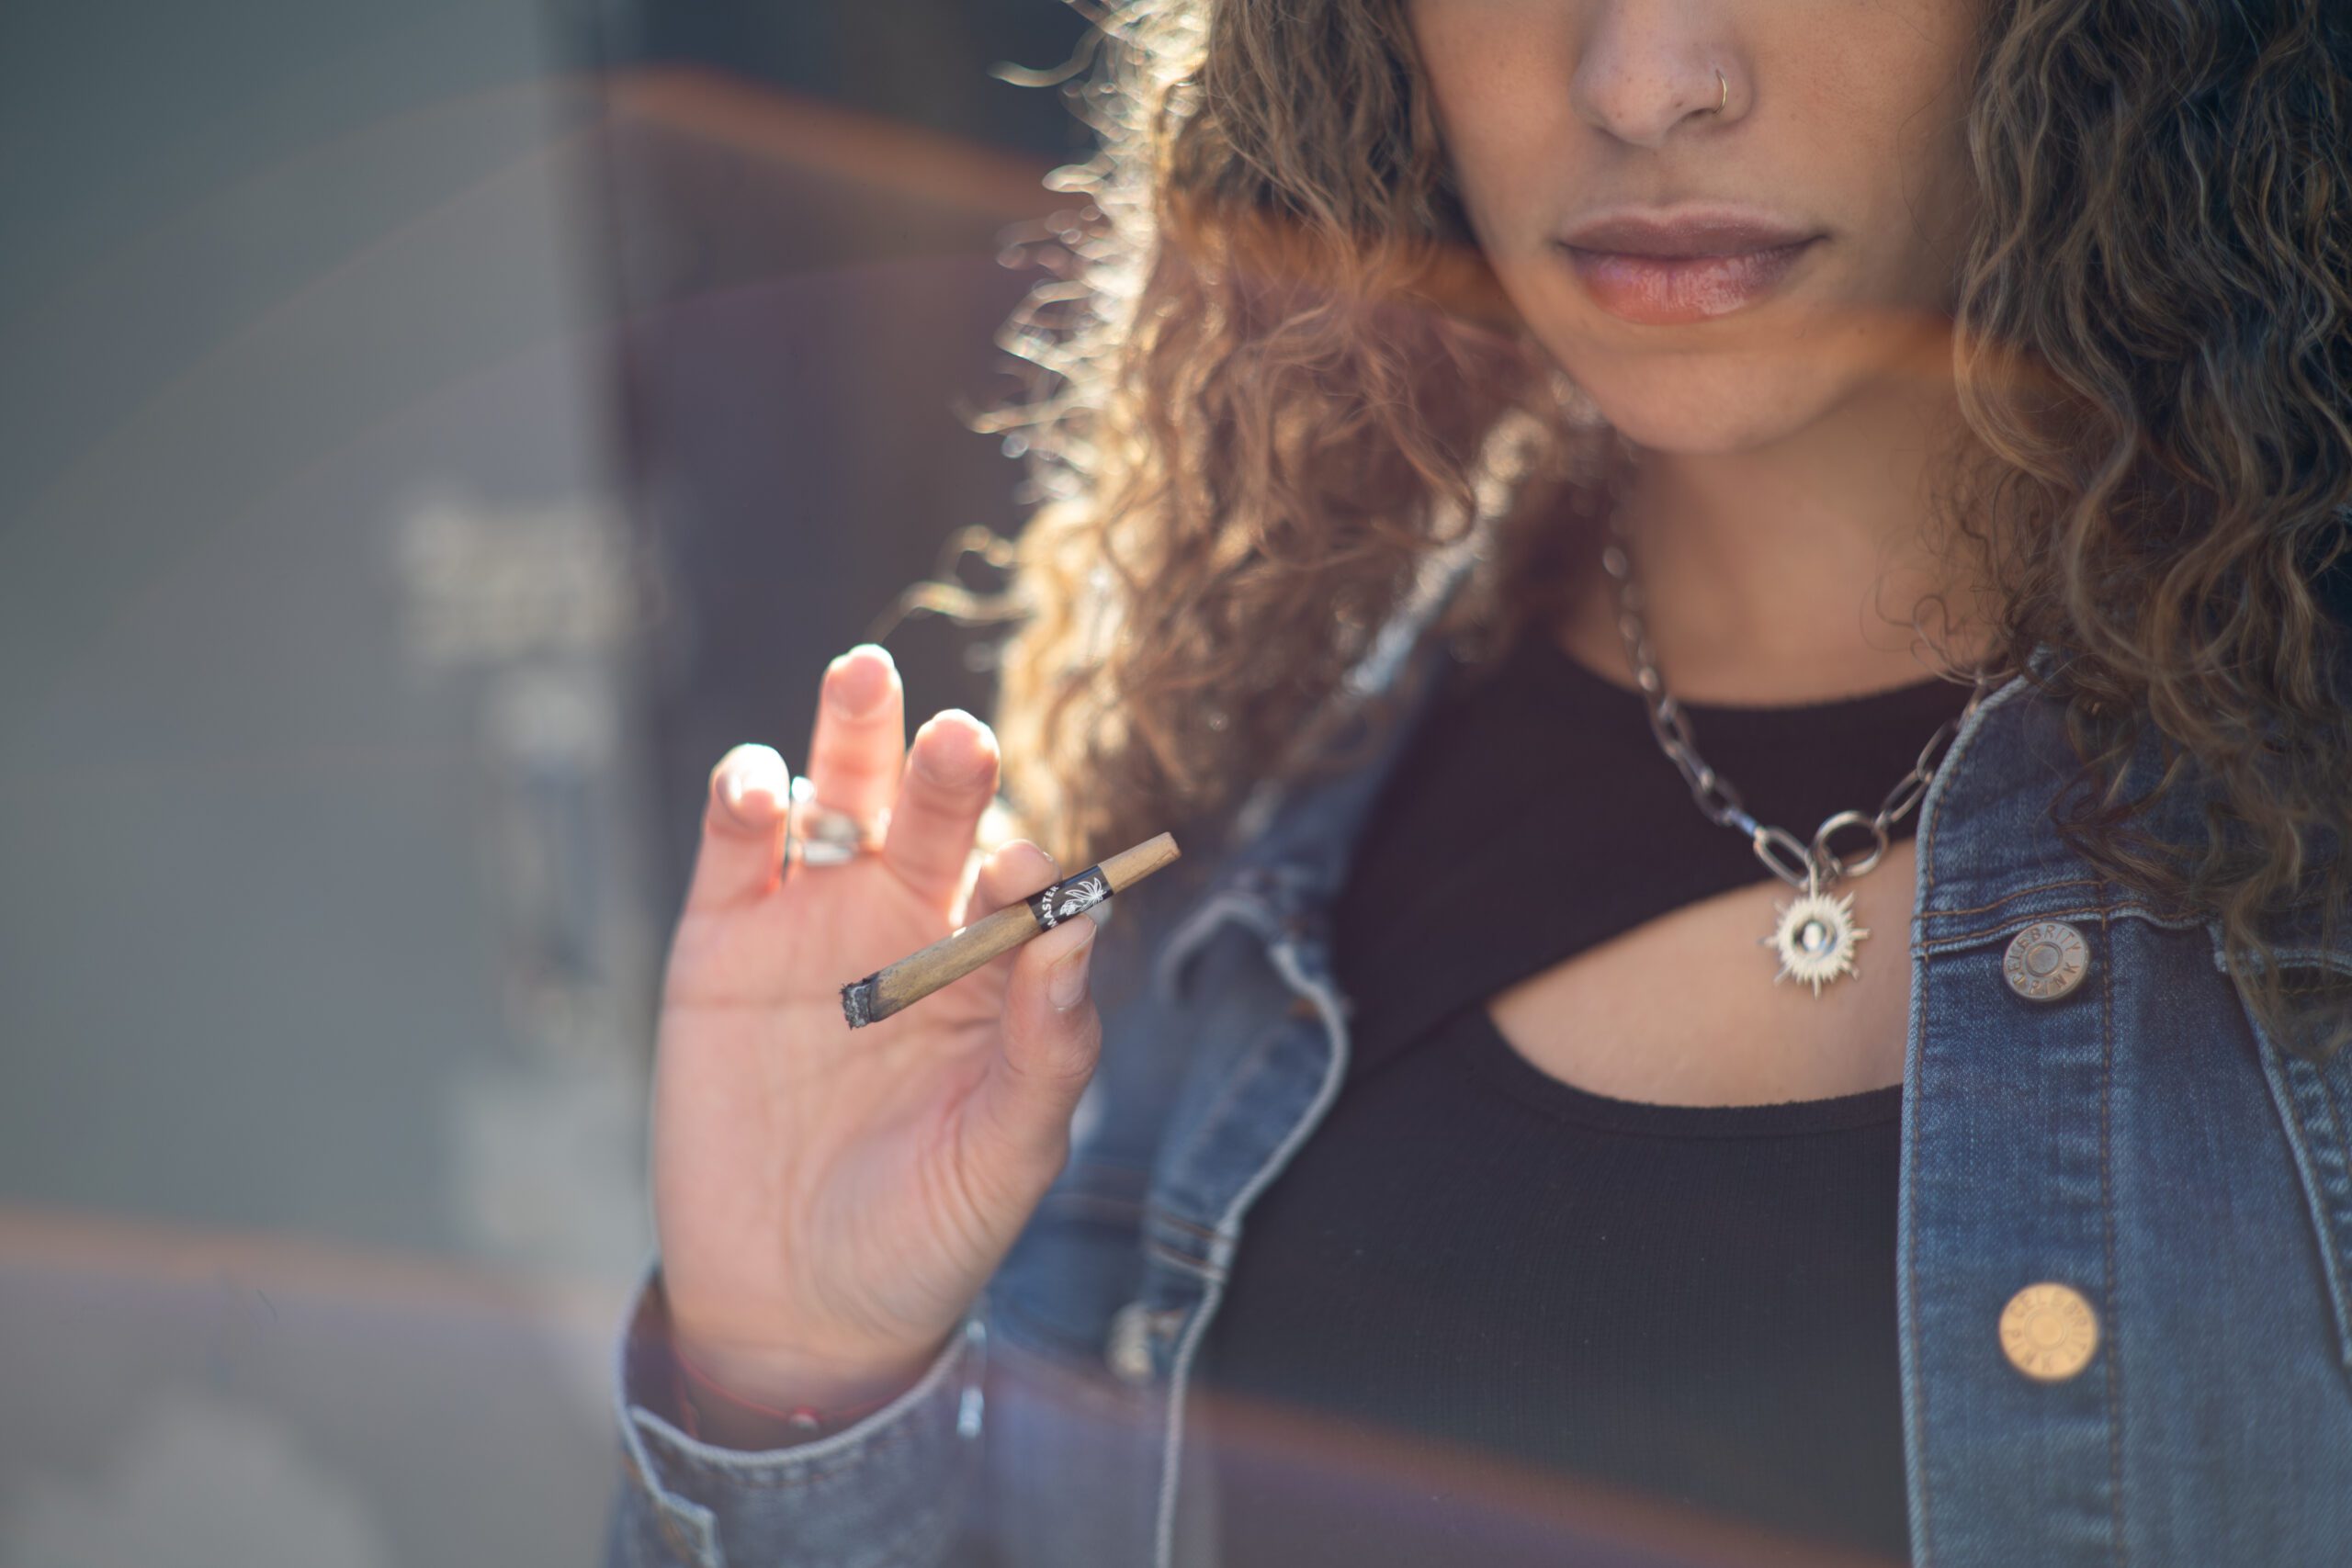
{"x":2049,"y":1331}
{"x":2046,"y":960}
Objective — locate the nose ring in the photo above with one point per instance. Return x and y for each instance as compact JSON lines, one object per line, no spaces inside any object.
{"x":1725,"y":86}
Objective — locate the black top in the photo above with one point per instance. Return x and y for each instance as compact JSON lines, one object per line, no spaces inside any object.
{"x":1485,"y":1316}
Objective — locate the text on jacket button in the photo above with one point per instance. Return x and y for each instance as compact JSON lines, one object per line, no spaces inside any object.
{"x":2049,"y":1331}
{"x":2046,"y":960}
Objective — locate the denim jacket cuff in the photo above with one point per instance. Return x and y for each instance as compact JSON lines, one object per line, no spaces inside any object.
{"x":890,"y":1491}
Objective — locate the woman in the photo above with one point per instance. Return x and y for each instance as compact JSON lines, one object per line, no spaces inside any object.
{"x":1510,"y":469}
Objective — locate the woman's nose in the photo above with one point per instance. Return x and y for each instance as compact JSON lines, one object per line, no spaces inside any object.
{"x":1644,"y":69}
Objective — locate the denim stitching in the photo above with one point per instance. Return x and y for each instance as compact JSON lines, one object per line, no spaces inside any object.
{"x":881,"y":1442}
{"x":2338,"y":959}
{"x":2011,"y":897}
{"x":1930,"y":822}
{"x":1227,"y":1092}
{"x":2343,"y":1197}
{"x":2107,"y":1207}
{"x":1192,"y":932}
{"x":1918,"y":1435}
{"x":2015,"y":923}
{"x":2323,"y":1199}
{"x":1178,"y":1221}
{"x":1284,"y":954}
{"x":1201,"y":1266}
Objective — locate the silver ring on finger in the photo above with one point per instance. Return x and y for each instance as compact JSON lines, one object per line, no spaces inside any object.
{"x":826,"y":835}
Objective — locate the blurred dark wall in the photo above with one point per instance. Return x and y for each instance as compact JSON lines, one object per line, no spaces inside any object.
{"x":921,"y":61}
{"x":301,"y":662}
{"x":805,"y":208}
{"x":327,"y":945}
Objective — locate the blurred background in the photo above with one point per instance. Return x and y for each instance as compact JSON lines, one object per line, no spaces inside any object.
{"x":430,"y":436}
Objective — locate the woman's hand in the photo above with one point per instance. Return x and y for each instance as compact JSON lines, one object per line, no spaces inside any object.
{"x":829,"y":1203}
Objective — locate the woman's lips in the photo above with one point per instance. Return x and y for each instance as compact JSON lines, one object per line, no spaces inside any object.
{"x":1670,"y":290}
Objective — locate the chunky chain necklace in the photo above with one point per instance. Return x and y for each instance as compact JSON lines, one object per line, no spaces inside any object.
{"x":1815,"y":933}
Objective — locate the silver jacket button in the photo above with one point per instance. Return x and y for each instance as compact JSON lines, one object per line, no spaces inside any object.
{"x":1127,"y":1348}
{"x":2046,"y":960}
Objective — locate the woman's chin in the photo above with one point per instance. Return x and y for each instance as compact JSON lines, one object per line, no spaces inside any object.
{"x":1699,"y":418}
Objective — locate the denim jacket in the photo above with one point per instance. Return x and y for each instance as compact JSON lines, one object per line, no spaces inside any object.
{"x":2134,"y":1141}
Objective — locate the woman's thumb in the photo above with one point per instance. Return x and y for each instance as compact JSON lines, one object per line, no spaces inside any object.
{"x":1051,"y":1039}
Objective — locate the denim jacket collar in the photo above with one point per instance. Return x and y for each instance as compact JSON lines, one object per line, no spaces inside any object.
{"x":1291,"y":846}
{"x":1287,"y":853}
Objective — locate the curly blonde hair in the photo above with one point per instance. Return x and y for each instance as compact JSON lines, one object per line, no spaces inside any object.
{"x":1271,"y":372}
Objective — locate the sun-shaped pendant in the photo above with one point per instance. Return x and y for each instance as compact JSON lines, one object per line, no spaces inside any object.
{"x":1816,"y":938}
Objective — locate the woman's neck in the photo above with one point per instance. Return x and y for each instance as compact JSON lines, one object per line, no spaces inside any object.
{"x":1791,"y":572}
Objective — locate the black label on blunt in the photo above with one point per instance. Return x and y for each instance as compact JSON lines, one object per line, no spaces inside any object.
{"x":1070,"y":896}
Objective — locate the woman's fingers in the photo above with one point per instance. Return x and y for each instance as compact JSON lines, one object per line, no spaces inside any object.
{"x":1016,"y":868}
{"x":1018,"y":1116}
{"x":951,"y":777}
{"x":929,"y":799}
{"x":742,"y":829}
{"x":858,"y":744}
{"x":1015,"y":871}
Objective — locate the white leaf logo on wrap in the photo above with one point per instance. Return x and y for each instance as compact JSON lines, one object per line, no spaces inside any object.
{"x":1076,"y":898}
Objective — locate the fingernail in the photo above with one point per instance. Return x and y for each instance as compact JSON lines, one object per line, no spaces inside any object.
{"x":969,"y":755}
{"x":741,"y":780}
{"x":857,"y":686}
{"x":1065,"y":981}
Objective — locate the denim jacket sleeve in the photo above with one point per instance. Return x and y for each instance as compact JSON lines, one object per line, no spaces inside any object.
{"x":899,"y":1489}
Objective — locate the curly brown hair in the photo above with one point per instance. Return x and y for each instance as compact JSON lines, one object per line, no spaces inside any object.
{"x":1271,"y":373}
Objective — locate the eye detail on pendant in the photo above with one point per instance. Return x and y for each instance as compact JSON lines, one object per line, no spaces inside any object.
{"x":1815,"y":938}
